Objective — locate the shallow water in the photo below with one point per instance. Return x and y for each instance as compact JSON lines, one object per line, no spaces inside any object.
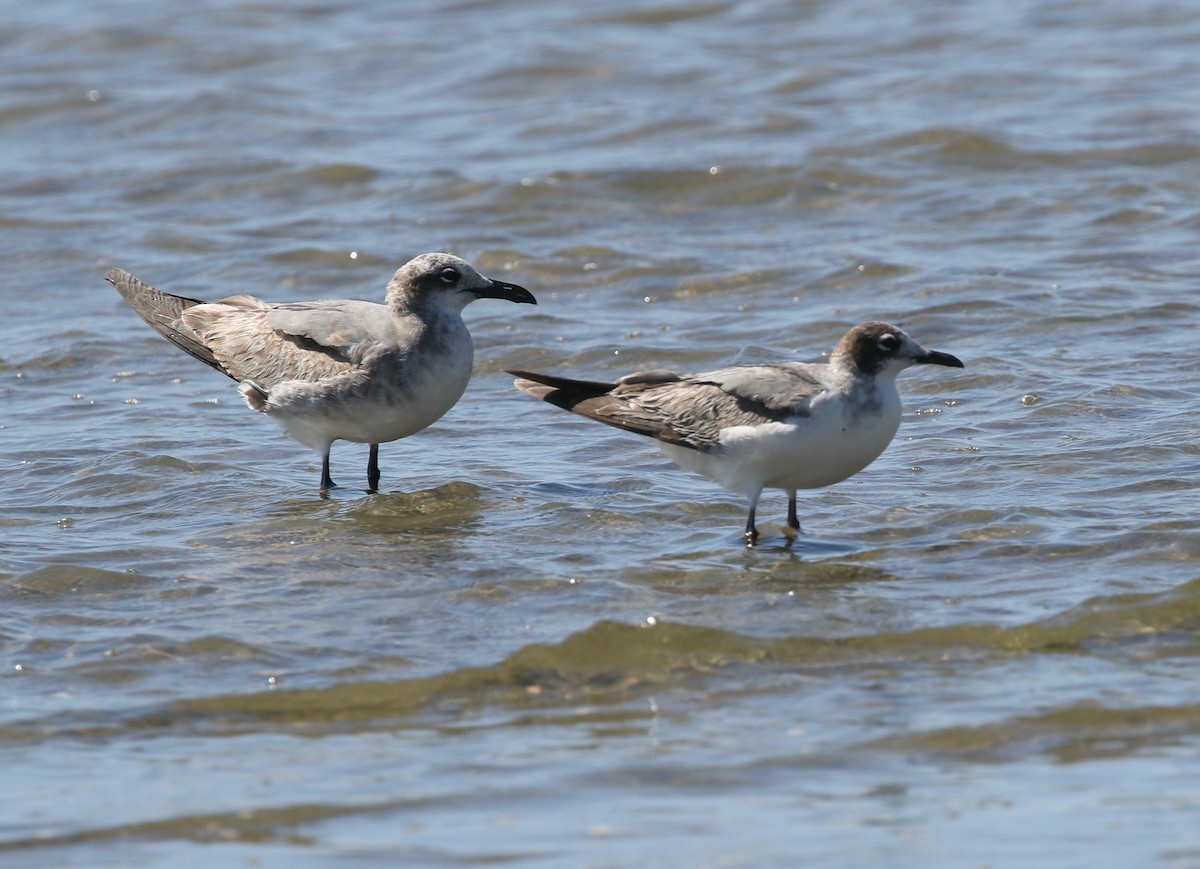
{"x":542,"y":644}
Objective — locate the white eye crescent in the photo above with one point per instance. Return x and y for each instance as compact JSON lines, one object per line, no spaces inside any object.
{"x":448,"y":276}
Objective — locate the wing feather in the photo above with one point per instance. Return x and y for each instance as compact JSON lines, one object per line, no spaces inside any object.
{"x":689,"y":411}
{"x":164,"y":311}
{"x":252,"y":343}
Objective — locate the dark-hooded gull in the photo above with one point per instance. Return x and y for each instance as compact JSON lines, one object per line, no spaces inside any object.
{"x":775,"y":425}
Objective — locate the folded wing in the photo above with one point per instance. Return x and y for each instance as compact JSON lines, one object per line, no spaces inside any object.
{"x":272,"y":344}
{"x":689,"y":411}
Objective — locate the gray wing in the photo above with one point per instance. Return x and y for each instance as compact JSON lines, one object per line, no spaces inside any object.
{"x":271,"y":344}
{"x":693,"y":411}
{"x":247,"y":339}
{"x":343,"y":329}
{"x":689,"y":411}
{"x":771,"y":387}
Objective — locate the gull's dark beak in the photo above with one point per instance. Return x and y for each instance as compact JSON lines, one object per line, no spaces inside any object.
{"x":933,"y":357}
{"x":511,"y":292}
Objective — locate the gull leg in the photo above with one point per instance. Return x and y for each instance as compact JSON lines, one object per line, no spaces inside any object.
{"x":373,"y":469}
{"x":751,"y":533}
{"x":793,"y":520}
{"x":326,"y":481}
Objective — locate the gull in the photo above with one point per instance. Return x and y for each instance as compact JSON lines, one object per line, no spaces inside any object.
{"x":339,"y":369}
{"x":771,"y":425}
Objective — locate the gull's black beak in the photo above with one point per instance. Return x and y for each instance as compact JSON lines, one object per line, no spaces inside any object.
{"x":511,"y":292}
{"x":933,"y":357}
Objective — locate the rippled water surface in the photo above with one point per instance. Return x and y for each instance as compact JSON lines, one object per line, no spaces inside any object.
{"x":541,"y":644}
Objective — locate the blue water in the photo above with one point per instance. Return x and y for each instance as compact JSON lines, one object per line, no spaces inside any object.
{"x":542,"y":644}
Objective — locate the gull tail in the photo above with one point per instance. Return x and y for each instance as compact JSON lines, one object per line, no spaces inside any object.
{"x":162,"y":311}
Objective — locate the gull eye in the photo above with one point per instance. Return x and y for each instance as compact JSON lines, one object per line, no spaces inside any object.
{"x":448,"y":276}
{"x":888,"y":343}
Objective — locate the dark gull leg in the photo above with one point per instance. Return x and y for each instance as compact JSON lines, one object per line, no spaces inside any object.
{"x":326,"y":480}
{"x":793,"y":520}
{"x":373,"y":469}
{"x":751,"y":533}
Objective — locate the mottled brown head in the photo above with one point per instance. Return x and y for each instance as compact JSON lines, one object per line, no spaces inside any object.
{"x":445,"y":279}
{"x":876,"y":347}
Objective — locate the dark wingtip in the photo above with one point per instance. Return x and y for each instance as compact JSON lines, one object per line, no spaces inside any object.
{"x":587,"y":387}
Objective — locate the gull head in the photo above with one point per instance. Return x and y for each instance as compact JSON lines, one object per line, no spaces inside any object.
{"x":877,"y":348}
{"x":446,"y":280}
